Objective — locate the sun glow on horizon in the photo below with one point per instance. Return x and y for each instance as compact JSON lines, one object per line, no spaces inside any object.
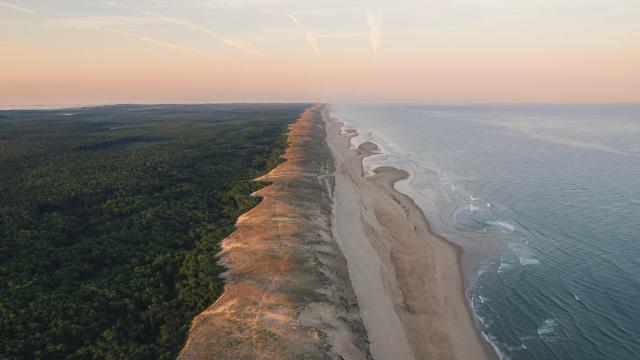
{"x":85,"y":52}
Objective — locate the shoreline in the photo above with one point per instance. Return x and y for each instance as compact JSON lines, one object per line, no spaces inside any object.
{"x":417,"y":278}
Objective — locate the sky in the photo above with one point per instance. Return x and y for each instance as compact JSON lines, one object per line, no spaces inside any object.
{"x":76,"y":52}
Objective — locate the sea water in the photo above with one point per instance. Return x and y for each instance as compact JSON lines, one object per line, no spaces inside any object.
{"x":545,"y":200}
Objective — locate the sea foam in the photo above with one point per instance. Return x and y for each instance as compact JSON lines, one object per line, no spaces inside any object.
{"x":503,"y":224}
{"x":547,"y":327}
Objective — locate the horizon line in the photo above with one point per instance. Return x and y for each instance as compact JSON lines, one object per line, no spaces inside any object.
{"x":34,"y":107}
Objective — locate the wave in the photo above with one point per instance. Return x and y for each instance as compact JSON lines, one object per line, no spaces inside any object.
{"x":547,"y":327}
{"x":493,"y":341}
{"x":503,"y":224}
{"x":526,"y":256}
{"x":525,"y":261}
{"x":576,"y":297}
{"x":503,"y":265}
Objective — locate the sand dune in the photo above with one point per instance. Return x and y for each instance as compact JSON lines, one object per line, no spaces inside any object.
{"x":287,"y":292}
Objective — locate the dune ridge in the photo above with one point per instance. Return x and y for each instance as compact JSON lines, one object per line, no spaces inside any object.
{"x":287,"y":291}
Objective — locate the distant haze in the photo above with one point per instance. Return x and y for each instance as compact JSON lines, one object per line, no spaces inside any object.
{"x":86,"y":52}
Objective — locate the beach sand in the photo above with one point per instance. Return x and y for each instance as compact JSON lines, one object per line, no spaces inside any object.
{"x":408,"y":280}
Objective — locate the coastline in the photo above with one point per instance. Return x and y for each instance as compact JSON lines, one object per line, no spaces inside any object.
{"x":408,"y":280}
{"x":336,"y":264}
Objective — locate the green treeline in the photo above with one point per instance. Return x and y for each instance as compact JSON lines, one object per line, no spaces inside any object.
{"x":111,"y":218}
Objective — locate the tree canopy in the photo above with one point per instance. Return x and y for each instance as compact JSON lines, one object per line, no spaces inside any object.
{"x":111,"y":218}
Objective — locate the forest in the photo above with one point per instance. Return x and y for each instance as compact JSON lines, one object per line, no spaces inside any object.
{"x":111,"y":218}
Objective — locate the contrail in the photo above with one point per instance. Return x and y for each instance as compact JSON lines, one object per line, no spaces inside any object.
{"x":313,"y":42}
{"x":157,"y":41}
{"x":97,"y":24}
{"x":17,"y":8}
{"x":242,"y":45}
{"x":229,"y":41}
{"x":374,"y":20}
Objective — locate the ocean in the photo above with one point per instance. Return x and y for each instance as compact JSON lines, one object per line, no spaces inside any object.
{"x":545,"y":200}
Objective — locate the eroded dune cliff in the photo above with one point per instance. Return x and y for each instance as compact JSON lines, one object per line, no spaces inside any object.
{"x":287,"y":292}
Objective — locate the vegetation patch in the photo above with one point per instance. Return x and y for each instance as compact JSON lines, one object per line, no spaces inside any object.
{"x":108,"y":250}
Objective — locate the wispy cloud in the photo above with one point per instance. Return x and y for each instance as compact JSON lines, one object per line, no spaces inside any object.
{"x":241,"y":3}
{"x":242,"y":45}
{"x":341,"y":11}
{"x":374,"y":21}
{"x":105,"y":24}
{"x":229,"y":41}
{"x":93,"y":22}
{"x":17,"y":8}
{"x":343,"y":35}
{"x":311,"y":39}
{"x":158,"y":42}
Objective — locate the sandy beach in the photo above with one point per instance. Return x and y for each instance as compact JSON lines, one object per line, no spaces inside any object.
{"x":408,"y":280}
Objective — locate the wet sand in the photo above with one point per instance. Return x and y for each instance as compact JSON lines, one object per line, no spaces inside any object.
{"x":408,"y":280}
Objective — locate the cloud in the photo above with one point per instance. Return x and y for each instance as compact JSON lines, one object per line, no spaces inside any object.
{"x":242,"y":3}
{"x":311,"y":39}
{"x":344,"y":35}
{"x":17,"y":8}
{"x":229,"y":41}
{"x":242,"y":45}
{"x":105,"y":24}
{"x":158,"y":42}
{"x":94,"y":22}
{"x":374,"y":21}
{"x":344,"y":11}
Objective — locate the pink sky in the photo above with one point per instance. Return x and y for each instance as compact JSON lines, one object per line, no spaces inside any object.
{"x":279,"y":50}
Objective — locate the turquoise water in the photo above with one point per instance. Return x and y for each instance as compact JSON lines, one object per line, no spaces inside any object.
{"x":546,"y":202}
